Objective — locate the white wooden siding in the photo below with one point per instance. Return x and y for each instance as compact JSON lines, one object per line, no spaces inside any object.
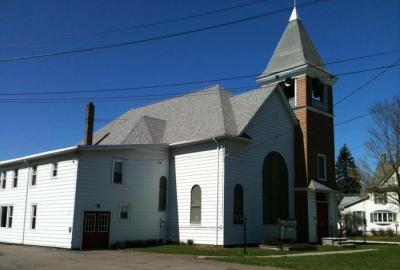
{"x":271,"y":130}
{"x":96,"y":192}
{"x":190,"y":166}
{"x":54,"y":198}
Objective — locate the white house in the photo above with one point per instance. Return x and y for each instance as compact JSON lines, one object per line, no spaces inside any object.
{"x":379,"y":210}
{"x":195,"y":166}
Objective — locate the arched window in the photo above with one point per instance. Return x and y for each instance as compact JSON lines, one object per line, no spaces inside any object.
{"x":162,"y":195}
{"x":275,"y":189}
{"x":195,"y":205}
{"x":238,"y":205}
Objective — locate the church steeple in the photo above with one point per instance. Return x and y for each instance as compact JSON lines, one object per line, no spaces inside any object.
{"x":295,"y":54}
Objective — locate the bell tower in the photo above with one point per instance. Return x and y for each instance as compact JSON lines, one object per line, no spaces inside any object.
{"x":307,"y":84}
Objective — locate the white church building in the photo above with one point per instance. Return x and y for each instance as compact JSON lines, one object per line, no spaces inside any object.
{"x":192,"y":167}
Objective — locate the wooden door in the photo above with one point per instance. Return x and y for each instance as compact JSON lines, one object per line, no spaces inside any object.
{"x":322,"y":220}
{"x":96,"y":230}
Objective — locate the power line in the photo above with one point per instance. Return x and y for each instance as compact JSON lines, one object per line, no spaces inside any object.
{"x":151,"y":96}
{"x":156,"y":38}
{"x":396,"y":63}
{"x":206,"y":81}
{"x":133,"y":27}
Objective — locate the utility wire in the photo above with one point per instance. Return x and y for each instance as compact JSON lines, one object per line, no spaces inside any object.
{"x":133,"y":27}
{"x":396,"y":63}
{"x":53,"y":92}
{"x":161,"y":37}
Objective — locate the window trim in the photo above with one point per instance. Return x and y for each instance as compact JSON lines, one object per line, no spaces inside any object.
{"x":121,"y":204}
{"x":54,"y":168}
{"x":165,"y":202}
{"x":115,"y":160}
{"x":3,"y":179}
{"x":10,"y":208}
{"x":318,"y":167}
{"x":34,"y":169}
{"x":199,"y":206}
{"x":241,"y":220}
{"x":34,"y":216}
{"x":15,"y":178}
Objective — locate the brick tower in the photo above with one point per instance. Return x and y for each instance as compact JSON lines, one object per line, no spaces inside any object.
{"x":307,"y":84}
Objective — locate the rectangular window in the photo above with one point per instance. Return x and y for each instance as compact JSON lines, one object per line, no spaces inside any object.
{"x":3,"y":179}
{"x":321,"y":167}
{"x":90,"y":223}
{"x":34,"y":214}
{"x":3,"y":221}
{"x":102,"y":223}
{"x":380,"y":199}
{"x":385,"y":217}
{"x":380,"y":217}
{"x":10,"y":216}
{"x":123,"y":210}
{"x":118,"y":168}
{"x":34,"y":175}
{"x":15,"y":182}
{"x":54,"y":169}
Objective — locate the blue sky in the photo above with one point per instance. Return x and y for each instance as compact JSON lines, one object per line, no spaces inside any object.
{"x":339,"y":28}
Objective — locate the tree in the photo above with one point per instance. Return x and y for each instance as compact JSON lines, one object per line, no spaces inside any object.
{"x":383,"y":147}
{"x":347,"y":174}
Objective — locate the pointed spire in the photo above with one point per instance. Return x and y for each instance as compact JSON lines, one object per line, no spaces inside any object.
{"x":294,"y":15}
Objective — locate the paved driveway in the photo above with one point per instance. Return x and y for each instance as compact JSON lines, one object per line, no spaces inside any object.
{"x":28,"y":258}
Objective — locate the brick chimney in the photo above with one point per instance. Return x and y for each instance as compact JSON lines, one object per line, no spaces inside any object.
{"x":89,"y":121}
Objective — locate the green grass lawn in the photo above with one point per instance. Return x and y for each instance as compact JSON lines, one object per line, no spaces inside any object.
{"x":220,"y":251}
{"x":387,"y":257}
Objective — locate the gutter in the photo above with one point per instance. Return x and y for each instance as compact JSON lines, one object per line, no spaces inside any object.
{"x":219,"y":137}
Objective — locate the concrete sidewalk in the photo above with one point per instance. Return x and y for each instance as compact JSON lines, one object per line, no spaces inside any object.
{"x":325,"y":253}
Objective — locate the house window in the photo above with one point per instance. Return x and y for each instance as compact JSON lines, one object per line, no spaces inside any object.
{"x":118,"y":168}
{"x":34,"y":215}
{"x":3,"y":221}
{"x":383,"y":217}
{"x":162,"y":194}
{"x":380,"y":198}
{"x":321,"y":167}
{"x":238,"y":205}
{"x":123,"y":210}
{"x":15,"y":182}
{"x":34,"y":175}
{"x":54,"y":170}
{"x":195,"y":205}
{"x":3,"y":179}
{"x":275,"y":189}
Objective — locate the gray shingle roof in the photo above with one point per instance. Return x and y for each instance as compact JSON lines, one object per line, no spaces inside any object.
{"x":206,"y":113}
{"x":294,"y":49}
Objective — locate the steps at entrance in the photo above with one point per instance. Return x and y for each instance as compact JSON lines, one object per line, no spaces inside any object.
{"x":338,"y":241}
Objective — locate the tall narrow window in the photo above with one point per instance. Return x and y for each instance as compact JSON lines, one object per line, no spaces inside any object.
{"x":162,"y":195}
{"x":34,"y":175}
{"x":118,"y":168}
{"x":195,"y":205}
{"x":15,"y":182}
{"x":275,"y":189}
{"x":3,"y":221}
{"x":33,"y":218}
{"x":3,"y":179}
{"x":123,"y":211}
{"x":10,"y":216}
{"x":54,"y":171}
{"x":238,"y":205}
{"x":321,"y":167}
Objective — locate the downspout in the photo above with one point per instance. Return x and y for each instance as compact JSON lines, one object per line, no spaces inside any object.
{"x":217,"y":215}
{"x":26,"y":201}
